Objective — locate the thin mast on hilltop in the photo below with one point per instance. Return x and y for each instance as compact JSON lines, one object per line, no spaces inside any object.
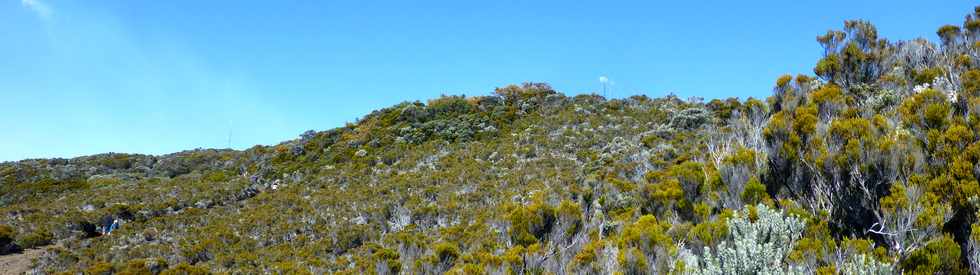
{"x":604,"y":80}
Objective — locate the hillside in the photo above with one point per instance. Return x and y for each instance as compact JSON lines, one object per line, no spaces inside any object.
{"x":869,"y":166}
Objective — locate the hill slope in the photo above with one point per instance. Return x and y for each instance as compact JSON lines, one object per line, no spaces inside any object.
{"x":870,"y":165}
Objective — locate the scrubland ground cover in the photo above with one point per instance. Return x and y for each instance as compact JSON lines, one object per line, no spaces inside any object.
{"x":869,"y":166}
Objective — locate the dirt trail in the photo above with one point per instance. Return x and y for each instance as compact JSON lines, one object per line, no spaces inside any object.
{"x":20,"y":262}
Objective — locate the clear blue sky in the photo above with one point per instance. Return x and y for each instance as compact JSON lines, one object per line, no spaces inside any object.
{"x":85,"y":77}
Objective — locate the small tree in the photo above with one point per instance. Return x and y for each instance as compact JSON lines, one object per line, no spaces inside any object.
{"x":948,"y":34}
{"x":908,"y":217}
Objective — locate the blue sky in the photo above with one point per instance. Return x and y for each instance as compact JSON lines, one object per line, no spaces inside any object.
{"x":86,"y":77}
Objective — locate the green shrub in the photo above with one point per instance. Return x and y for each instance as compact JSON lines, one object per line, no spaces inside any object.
{"x":926,"y":76}
{"x":186,"y":269}
{"x":37,"y":238}
{"x":6,"y":234}
{"x":937,"y":257}
{"x":446,"y":252}
{"x":530,"y":223}
{"x":100,"y":268}
{"x":755,"y":192}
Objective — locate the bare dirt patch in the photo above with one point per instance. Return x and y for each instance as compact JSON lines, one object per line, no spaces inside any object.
{"x":20,"y":262}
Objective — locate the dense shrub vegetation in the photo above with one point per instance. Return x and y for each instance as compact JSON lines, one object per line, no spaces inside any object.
{"x":869,"y":166}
